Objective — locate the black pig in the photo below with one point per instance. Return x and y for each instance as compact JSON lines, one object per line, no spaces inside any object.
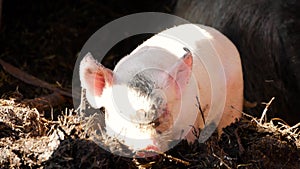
{"x":266,"y":33}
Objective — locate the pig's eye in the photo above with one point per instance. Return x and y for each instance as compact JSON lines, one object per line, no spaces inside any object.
{"x":141,"y":116}
{"x":102,"y":109}
{"x":155,"y":123}
{"x":141,"y":112}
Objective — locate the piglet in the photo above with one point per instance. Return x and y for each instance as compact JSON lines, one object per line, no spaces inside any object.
{"x":154,"y":95}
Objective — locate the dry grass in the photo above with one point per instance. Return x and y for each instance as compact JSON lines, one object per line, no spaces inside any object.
{"x":27,"y":139}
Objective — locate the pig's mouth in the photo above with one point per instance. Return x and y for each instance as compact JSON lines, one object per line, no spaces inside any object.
{"x":152,"y":148}
{"x":149,"y":151}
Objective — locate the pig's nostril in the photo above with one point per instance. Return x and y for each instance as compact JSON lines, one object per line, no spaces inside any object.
{"x":149,"y":151}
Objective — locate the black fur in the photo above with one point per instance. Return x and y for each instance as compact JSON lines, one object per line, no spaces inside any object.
{"x":142,"y":84}
{"x":266,"y":33}
{"x":146,"y":88}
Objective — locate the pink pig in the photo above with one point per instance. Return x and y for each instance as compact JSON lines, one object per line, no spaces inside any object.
{"x":150,"y":98}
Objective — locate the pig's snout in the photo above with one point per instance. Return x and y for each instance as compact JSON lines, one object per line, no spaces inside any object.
{"x":149,"y":151}
{"x":152,"y":148}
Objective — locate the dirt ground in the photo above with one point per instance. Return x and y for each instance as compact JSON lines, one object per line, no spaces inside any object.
{"x":43,"y":39}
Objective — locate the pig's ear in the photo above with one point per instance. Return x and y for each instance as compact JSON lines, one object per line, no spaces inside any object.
{"x":181,"y":72}
{"x":94,"y":78}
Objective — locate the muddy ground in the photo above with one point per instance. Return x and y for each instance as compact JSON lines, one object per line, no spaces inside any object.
{"x":43,"y":39}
